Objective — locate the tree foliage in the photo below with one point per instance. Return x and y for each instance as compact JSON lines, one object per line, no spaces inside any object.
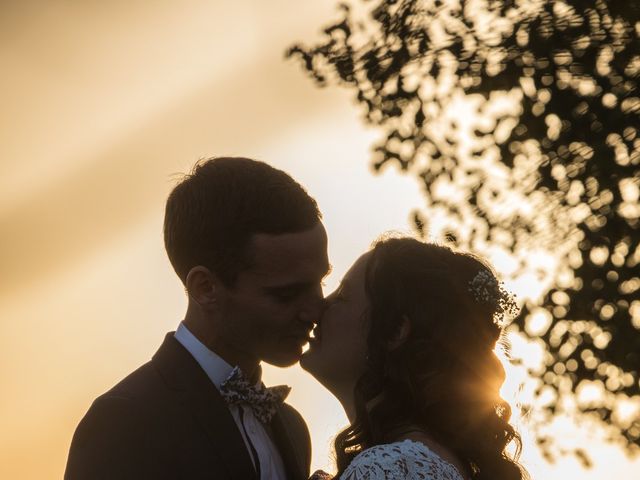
{"x":521,"y":119}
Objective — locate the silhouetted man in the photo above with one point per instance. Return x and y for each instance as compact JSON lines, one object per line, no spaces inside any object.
{"x":248,"y":243}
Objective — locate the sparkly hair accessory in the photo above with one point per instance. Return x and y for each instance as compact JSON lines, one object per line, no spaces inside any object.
{"x":486,"y":289}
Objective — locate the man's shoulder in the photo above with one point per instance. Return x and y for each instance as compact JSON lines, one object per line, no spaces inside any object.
{"x":132,"y":401}
{"x":150,"y":379}
{"x":295,"y":424}
{"x":290,"y":415}
{"x":145,"y":382}
{"x":141,"y":394}
{"x":298,"y":434}
{"x":122,"y":429}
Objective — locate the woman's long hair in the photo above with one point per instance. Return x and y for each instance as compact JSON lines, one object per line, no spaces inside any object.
{"x":444,"y":378}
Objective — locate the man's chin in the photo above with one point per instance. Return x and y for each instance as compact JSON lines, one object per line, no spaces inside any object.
{"x":309,"y":361}
{"x":304,"y":361}
{"x":288,"y":352}
{"x":283,"y":363}
{"x":284,"y":360}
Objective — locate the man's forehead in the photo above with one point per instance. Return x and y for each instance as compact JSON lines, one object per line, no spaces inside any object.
{"x":289,"y":252}
{"x":312,"y":238}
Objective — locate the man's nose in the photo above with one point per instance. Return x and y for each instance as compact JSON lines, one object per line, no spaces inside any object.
{"x":313,"y":308}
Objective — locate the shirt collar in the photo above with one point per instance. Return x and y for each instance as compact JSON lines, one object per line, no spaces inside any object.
{"x":217,"y":369}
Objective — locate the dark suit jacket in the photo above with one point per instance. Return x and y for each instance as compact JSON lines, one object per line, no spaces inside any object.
{"x":167,"y":421}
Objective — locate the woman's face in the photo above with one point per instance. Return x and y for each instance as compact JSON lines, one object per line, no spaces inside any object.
{"x":337,"y":354}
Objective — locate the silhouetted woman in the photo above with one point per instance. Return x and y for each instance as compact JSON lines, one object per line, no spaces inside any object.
{"x":407,"y":346}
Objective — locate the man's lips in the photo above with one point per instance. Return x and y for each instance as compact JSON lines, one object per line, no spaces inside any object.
{"x":303,"y":337}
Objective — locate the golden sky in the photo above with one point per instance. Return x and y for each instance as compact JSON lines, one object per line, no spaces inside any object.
{"x":102,"y":104}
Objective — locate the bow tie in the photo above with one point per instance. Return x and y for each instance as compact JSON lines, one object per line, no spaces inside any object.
{"x":237,"y":390}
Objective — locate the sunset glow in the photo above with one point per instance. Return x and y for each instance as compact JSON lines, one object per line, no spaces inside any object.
{"x":103,"y":104}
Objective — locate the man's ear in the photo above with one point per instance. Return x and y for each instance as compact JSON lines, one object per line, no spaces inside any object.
{"x":202,"y":286}
{"x":401,"y":334}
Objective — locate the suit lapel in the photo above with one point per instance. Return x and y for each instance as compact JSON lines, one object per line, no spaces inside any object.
{"x":287,"y":447}
{"x":185,"y":377}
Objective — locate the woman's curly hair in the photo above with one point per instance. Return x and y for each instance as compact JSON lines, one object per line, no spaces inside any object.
{"x":445,"y":377}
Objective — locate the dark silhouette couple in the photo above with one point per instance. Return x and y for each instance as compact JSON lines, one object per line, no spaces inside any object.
{"x":405,"y":344}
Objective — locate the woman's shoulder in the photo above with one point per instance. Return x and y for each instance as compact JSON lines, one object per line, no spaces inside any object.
{"x":402,"y":460}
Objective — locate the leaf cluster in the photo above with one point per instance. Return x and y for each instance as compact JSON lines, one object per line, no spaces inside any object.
{"x":560,"y":170}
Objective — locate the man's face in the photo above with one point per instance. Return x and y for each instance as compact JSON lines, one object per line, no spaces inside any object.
{"x":268,"y":314}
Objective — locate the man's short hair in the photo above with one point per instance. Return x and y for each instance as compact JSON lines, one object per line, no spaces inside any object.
{"x":213,"y":212}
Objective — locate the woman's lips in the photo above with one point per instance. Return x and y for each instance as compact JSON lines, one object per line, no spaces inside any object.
{"x":316,"y":334}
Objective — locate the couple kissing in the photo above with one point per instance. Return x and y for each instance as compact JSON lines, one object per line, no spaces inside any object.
{"x":405,"y":344}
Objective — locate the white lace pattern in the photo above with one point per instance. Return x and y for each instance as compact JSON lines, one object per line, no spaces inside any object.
{"x":405,"y":460}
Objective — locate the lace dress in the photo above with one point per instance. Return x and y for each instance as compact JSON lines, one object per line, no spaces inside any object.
{"x":405,"y":460}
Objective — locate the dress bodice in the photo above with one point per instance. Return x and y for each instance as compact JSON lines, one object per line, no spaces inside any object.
{"x":404,"y":460}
